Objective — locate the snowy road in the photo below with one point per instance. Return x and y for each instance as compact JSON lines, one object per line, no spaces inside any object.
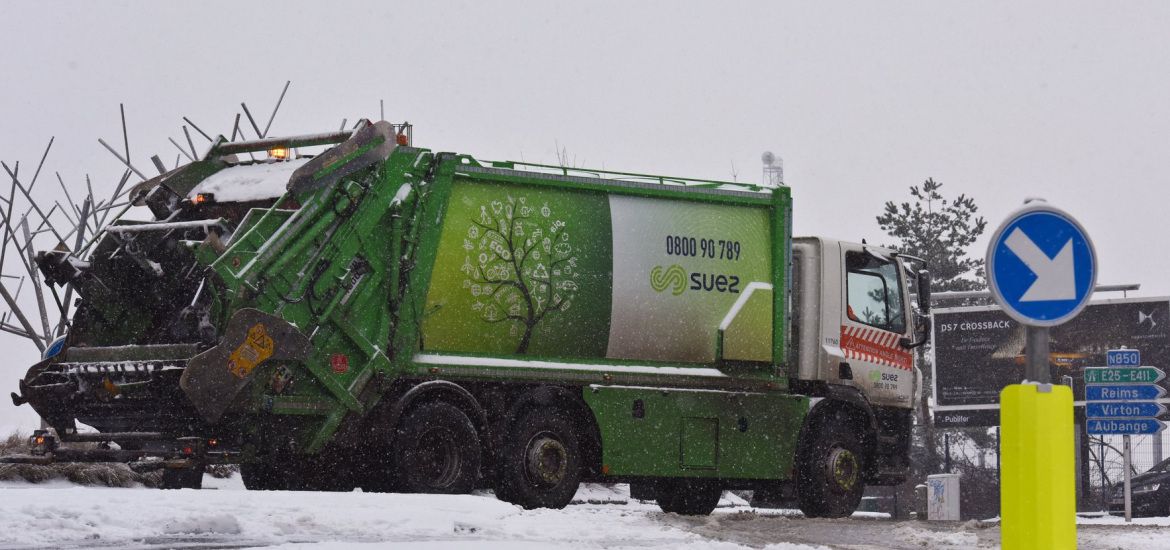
{"x":66,"y":516}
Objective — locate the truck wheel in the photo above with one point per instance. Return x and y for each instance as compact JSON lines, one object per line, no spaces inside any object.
{"x":262,"y":476}
{"x":436,"y":450}
{"x":689,"y":497}
{"x":829,"y":480}
{"x":182,"y":478}
{"x":540,"y":463}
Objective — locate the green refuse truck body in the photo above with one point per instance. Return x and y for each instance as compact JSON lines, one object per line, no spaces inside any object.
{"x":398,"y":319}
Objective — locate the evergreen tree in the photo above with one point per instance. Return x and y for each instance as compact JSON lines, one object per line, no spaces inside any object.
{"x":939,"y":231}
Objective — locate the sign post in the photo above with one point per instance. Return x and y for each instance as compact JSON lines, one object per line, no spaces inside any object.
{"x":1119,"y":400}
{"x":1041,"y":267}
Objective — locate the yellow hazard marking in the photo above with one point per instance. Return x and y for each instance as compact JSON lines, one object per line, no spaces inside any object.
{"x":257,"y":347}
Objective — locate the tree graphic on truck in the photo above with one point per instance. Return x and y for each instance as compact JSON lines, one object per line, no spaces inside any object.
{"x":520,"y":265}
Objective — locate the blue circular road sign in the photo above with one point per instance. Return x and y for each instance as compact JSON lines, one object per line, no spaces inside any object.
{"x":1041,"y":265}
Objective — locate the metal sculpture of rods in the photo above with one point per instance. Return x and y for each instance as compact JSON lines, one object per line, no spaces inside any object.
{"x":34,"y":223}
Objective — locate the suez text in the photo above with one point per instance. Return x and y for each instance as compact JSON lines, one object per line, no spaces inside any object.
{"x":974,"y":325}
{"x":716,"y":249}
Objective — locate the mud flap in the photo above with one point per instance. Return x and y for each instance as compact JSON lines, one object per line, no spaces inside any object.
{"x":215,"y":377}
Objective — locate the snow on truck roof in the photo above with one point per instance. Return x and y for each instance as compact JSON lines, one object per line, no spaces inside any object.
{"x":262,"y":180}
{"x":249,"y":182}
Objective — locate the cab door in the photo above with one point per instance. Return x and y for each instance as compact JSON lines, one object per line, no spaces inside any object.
{"x":874,"y":322}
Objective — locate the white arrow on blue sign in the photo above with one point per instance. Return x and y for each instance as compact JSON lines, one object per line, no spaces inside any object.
{"x":1124,"y":426}
{"x":1041,"y":265}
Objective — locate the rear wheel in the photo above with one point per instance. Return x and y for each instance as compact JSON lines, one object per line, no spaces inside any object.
{"x":436,"y":449}
{"x":182,"y":478}
{"x":689,"y":497}
{"x":263,"y":476}
{"x":830,"y":478}
{"x":540,"y":463}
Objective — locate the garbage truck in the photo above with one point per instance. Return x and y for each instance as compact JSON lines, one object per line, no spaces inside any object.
{"x":345,"y":310}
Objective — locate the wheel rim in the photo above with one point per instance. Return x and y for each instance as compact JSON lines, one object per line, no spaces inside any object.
{"x":436,"y":458}
{"x":546,"y":460}
{"x":843,"y":469}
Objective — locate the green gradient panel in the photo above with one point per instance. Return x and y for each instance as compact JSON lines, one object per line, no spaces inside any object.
{"x":521,"y":270}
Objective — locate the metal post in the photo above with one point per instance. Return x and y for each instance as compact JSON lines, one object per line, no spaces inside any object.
{"x":1157,"y":441}
{"x":1126,"y":461}
{"x":1101,"y":462}
{"x":946,"y":453}
{"x":998,"y":469}
{"x":1037,"y":351}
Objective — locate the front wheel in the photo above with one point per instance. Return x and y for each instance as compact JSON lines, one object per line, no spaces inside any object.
{"x":540,"y":463}
{"x":831,"y":468}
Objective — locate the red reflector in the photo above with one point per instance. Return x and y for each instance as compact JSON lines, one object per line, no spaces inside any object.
{"x":339,"y":362}
{"x":188,"y":451}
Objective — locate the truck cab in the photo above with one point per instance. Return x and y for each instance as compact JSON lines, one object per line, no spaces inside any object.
{"x":855,"y":329}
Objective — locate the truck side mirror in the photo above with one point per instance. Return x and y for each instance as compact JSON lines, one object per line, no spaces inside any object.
{"x":924,"y":290}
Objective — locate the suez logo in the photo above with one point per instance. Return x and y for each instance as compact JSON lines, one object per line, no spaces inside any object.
{"x":879,"y":376}
{"x":675,"y":278}
{"x":678,"y":280}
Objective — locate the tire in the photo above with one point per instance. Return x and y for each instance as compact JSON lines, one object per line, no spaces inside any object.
{"x":689,"y":497}
{"x":263,"y":476}
{"x":830,"y":476}
{"x":182,"y":478}
{"x":436,"y":449}
{"x":540,"y":461}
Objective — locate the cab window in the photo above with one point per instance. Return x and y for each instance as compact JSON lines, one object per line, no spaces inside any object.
{"x":874,"y":291}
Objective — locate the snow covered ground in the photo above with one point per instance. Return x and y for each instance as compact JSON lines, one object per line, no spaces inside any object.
{"x":60,"y":515}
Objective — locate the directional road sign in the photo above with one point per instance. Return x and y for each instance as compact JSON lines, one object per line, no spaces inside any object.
{"x":1041,"y":265}
{"x":1124,"y":426}
{"x":1123,"y":358}
{"x":1124,"y":409}
{"x":1123,"y":375}
{"x":1123,"y":392}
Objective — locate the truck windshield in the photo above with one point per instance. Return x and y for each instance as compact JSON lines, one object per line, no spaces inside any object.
{"x":874,"y":291}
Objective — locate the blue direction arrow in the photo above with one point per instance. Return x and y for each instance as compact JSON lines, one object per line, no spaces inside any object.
{"x":1134,"y":392}
{"x":1124,"y":426}
{"x":1123,"y":358}
{"x":1041,"y":265}
{"x":1123,"y":409}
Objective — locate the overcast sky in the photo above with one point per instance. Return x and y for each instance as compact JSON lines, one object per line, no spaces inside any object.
{"x":998,"y":100}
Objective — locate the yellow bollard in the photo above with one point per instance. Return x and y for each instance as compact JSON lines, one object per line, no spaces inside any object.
{"x":1038,"y":492}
